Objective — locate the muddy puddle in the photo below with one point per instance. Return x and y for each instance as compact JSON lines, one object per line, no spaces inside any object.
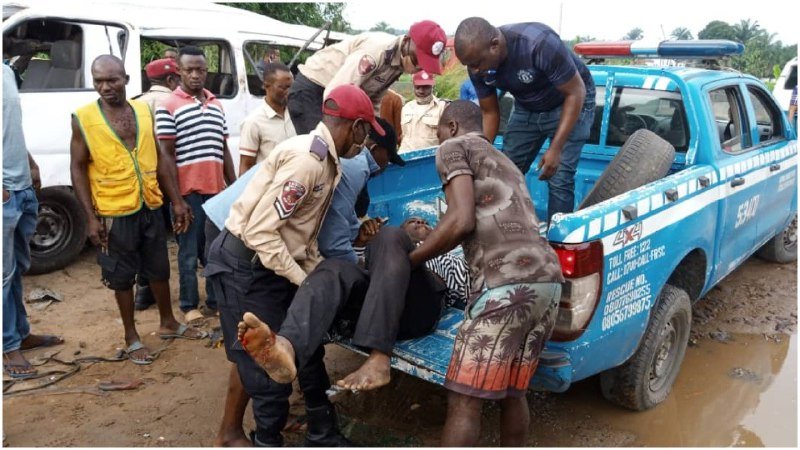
{"x":741,"y":392}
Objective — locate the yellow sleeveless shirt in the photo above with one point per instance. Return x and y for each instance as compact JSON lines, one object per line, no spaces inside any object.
{"x":121,"y":180}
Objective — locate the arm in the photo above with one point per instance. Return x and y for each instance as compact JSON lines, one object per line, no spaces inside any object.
{"x":490,"y":108}
{"x":456,"y":224}
{"x":36,"y":179}
{"x":167,"y":173}
{"x":245,"y":162}
{"x":249,"y":144}
{"x":574,"y":94}
{"x":78,"y":167}
{"x":227,"y":164}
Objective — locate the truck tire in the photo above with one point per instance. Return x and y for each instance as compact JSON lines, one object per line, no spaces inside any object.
{"x":782,"y":248}
{"x":645,"y":157}
{"x":646,"y":378}
{"x":60,"y":230}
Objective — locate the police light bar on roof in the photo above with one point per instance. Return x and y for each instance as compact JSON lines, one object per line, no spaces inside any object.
{"x":709,"y":48}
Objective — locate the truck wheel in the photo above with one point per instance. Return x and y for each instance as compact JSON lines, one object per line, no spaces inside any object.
{"x":60,"y":231}
{"x":645,"y":157}
{"x":646,"y":379}
{"x":783,"y":247}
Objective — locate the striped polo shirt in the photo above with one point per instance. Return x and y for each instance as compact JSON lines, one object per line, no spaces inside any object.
{"x":199,"y":130}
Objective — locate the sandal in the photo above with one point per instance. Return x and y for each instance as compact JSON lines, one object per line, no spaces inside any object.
{"x":45,"y":340}
{"x":180,"y":333}
{"x":24,"y":371}
{"x":138,"y":346}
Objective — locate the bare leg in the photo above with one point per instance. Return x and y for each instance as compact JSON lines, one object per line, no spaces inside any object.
{"x":462,"y":428}
{"x":125,"y":304}
{"x":231,"y":432}
{"x":514,"y":421}
{"x":168,"y":323}
{"x":273,"y":353}
{"x":374,"y":373}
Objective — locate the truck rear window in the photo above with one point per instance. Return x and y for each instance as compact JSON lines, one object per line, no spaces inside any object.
{"x":661,"y":112}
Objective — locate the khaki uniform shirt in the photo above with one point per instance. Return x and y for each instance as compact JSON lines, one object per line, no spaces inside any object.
{"x":154,"y":96}
{"x":262,"y":130}
{"x":281,"y":209}
{"x":369,"y":60}
{"x":419,"y":123}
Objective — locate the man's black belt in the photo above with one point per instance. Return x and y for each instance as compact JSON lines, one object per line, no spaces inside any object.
{"x":236,"y":247}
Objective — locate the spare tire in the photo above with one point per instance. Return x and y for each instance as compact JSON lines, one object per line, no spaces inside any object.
{"x":645,"y":157}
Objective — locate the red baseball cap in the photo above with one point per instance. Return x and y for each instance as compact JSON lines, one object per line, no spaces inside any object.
{"x":352,"y":103}
{"x":429,"y":38}
{"x":161,"y":68}
{"x":422,"y":78}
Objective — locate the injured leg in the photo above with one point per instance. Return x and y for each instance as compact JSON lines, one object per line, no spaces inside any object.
{"x":272,"y":352}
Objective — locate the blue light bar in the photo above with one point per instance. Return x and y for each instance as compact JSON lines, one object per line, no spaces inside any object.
{"x":708,"y":48}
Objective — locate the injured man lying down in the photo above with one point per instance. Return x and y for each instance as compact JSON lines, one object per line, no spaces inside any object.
{"x":377,"y":304}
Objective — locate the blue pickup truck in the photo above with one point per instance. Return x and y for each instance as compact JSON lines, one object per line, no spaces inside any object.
{"x":688,"y":172}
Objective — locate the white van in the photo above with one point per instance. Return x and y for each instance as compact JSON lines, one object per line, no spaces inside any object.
{"x":51,"y":46}
{"x":786,"y":82}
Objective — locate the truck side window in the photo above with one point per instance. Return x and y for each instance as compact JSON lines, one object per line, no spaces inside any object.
{"x":661,"y":112}
{"x":221,"y":77}
{"x":728,"y":111}
{"x":599,"y":101}
{"x":768,"y":117}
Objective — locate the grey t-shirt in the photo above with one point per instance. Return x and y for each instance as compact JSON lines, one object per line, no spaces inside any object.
{"x":16,"y":170}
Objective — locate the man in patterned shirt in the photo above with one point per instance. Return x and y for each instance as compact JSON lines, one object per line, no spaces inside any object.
{"x":191,"y":125}
{"x":516,"y":279}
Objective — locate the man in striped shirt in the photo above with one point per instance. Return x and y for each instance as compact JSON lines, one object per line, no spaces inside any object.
{"x":191,"y":125}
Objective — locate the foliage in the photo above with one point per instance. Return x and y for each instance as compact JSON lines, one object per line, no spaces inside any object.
{"x":311,"y":14}
{"x":448,"y":84}
{"x":681,"y":34}
{"x":717,"y":29}
{"x":633,"y":35}
{"x":384,"y":27}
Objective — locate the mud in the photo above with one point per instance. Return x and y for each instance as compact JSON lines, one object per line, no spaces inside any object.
{"x":737,"y":385}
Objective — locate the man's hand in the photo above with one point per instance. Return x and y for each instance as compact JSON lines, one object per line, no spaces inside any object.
{"x":36,"y":179}
{"x":97,"y":232}
{"x":6,"y":195}
{"x":548,"y":164}
{"x":368,"y":230}
{"x":182,"y":213}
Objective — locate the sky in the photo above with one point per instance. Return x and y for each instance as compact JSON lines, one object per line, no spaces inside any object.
{"x":603,"y":20}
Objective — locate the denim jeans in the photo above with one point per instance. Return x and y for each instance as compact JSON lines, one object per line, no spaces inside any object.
{"x":191,"y":246}
{"x":527,"y":131}
{"x":19,"y":224}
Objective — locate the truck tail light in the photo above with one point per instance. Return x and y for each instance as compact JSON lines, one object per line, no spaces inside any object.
{"x":582,"y":266}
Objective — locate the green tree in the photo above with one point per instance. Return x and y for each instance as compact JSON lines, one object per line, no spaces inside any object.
{"x":746,"y":30}
{"x":681,"y":34}
{"x":633,"y":35}
{"x":311,"y":14}
{"x":717,"y":29}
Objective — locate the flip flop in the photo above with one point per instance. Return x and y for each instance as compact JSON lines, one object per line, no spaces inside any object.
{"x":20,"y":376}
{"x":180,"y":333}
{"x":47,"y":340}
{"x":138,"y":346}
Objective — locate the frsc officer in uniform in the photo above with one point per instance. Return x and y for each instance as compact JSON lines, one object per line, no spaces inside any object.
{"x":268,"y":247}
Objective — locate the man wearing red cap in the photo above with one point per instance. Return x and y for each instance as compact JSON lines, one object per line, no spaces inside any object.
{"x":164,"y":78}
{"x":268,"y":247}
{"x":372,"y":61}
{"x":420,"y":118}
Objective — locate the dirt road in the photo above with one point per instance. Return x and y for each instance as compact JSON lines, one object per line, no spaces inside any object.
{"x":737,"y":386}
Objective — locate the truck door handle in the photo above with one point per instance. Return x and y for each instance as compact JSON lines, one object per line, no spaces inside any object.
{"x":737,"y":182}
{"x":774,"y":167}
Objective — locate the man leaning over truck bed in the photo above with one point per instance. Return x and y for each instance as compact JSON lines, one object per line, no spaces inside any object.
{"x":516,"y":284}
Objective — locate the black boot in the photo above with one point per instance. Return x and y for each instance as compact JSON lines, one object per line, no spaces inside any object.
{"x":275,"y":442}
{"x":143,"y":298}
{"x":323,"y":429}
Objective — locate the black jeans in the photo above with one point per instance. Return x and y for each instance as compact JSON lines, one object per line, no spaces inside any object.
{"x":246,"y":286}
{"x":305,"y":104}
{"x":389,"y":301}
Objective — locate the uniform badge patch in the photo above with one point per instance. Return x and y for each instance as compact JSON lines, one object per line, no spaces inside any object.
{"x":319,"y":148}
{"x":366,"y":65}
{"x":525,"y":76}
{"x":290,"y":196}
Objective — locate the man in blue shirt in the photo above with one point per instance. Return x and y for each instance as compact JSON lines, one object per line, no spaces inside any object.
{"x":20,"y":208}
{"x":554,"y":98}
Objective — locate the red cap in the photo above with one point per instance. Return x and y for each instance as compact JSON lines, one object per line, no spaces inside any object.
{"x":422,"y":78}
{"x":429,"y":38}
{"x":161,"y":68}
{"x":352,"y":103}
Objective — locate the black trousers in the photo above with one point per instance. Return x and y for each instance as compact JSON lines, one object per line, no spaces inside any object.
{"x":246,"y":286}
{"x":305,"y":104}
{"x":388,"y":301}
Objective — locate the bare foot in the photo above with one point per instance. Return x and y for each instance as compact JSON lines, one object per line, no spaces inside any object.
{"x":272,"y":352}
{"x":40,"y":340}
{"x":234,"y":439}
{"x":374,"y":373}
